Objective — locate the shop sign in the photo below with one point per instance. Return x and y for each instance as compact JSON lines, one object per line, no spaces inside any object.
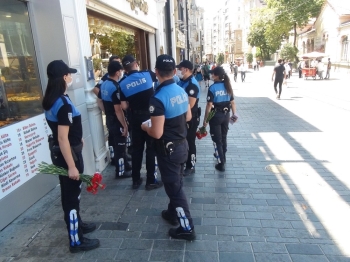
{"x":141,"y":4}
{"x":22,"y":147}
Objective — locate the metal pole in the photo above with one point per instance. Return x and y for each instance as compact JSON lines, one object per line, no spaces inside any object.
{"x":187,"y":33}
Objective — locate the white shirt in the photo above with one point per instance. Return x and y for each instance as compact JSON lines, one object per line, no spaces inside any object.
{"x":242,"y":68}
{"x":320,"y":66}
{"x":286,"y":67}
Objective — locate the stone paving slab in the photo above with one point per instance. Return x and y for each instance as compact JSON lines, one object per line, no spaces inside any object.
{"x":247,"y":213}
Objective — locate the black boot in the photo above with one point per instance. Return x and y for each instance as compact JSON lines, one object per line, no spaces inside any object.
{"x":180,"y":233}
{"x":220,"y":167}
{"x":171,"y":220}
{"x":85,"y":245}
{"x":87,"y":227}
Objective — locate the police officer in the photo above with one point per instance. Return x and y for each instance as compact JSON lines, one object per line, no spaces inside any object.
{"x":136,"y":90}
{"x":115,"y":119}
{"x":189,"y":83}
{"x":66,"y":145}
{"x":169,"y":109}
{"x":220,"y":98}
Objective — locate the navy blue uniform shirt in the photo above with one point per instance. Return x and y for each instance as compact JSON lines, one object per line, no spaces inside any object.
{"x":109,"y":95}
{"x":217,"y":94}
{"x":137,"y":88}
{"x":170,"y":101}
{"x":191,"y":87}
{"x":64,"y":113}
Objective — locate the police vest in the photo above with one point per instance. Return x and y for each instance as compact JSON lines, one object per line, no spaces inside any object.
{"x":221,"y":97}
{"x":136,"y":83}
{"x":51,"y":114}
{"x":174,"y":100}
{"x":107,"y":89}
{"x":185,"y":84}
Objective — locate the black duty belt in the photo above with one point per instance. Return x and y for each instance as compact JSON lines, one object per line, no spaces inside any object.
{"x":174,"y":142}
{"x":223,"y":110}
{"x":140,"y":112}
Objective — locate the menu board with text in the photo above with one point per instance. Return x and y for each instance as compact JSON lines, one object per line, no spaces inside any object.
{"x":22,"y":147}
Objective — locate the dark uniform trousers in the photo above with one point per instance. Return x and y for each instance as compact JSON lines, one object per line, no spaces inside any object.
{"x":117,"y":141}
{"x":139,"y":138}
{"x":170,"y":167}
{"x":218,"y":131}
{"x":191,"y":139}
{"x":70,"y":192}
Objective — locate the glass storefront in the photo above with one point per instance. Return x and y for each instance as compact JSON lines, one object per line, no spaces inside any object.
{"x":109,"y":38}
{"x":20,"y":89}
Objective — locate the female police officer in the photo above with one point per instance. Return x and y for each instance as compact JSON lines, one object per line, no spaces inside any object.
{"x":66,"y":146}
{"x":220,"y":99}
{"x":169,"y":109}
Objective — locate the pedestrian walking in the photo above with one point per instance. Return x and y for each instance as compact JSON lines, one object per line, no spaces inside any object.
{"x":115,"y":118}
{"x":191,"y":87}
{"x":66,"y":146}
{"x":300,"y":69}
{"x":220,"y":98}
{"x":199,"y":76}
{"x":135,"y":91}
{"x":279,"y":72}
{"x":205,"y":73}
{"x":235,"y":71}
{"x":329,"y":66}
{"x":169,"y":109}
{"x":243,"y":70}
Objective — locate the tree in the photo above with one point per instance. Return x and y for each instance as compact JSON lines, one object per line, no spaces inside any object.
{"x":249,"y":58}
{"x":294,"y":14}
{"x":289,"y":52}
{"x":220,"y":58}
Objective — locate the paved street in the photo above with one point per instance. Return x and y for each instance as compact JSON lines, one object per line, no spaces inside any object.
{"x":283,"y":197}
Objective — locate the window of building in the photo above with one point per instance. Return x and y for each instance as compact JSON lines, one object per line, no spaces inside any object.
{"x":20,"y":88}
{"x":344,"y":48}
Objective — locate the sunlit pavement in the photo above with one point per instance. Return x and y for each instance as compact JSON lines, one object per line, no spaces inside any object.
{"x":283,"y":197}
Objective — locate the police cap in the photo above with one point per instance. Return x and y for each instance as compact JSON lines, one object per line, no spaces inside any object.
{"x":165,"y":63}
{"x":128,"y":59}
{"x":113,"y":67}
{"x":185,"y":64}
{"x":58,"y":68}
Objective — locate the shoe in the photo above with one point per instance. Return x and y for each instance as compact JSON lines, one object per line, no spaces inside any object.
{"x":87,"y":227}
{"x":126,"y":174}
{"x":85,"y":245}
{"x":189,"y":171}
{"x":220,"y":167}
{"x":155,"y":185}
{"x":137,"y":184}
{"x":171,"y":220}
{"x":278,"y":96}
{"x":180,"y":233}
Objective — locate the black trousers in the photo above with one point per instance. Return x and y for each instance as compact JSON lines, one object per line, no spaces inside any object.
{"x":119,"y":144}
{"x":300,"y":73}
{"x":243,"y":76}
{"x":191,"y":140}
{"x":170,"y":168}
{"x":139,"y":138}
{"x":70,"y":198}
{"x":218,"y":131}
{"x":279,"y":82}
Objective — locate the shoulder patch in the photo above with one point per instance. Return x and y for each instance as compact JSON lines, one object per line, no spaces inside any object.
{"x":208,"y":98}
{"x":191,"y":92}
{"x":70,"y":117}
{"x":151,"y":109}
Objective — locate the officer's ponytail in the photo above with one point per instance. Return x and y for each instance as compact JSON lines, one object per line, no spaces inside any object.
{"x":227,"y":84}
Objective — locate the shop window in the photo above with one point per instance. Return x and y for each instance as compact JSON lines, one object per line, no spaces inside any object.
{"x":108,"y":38}
{"x":344,"y":48}
{"x":20,"y":89}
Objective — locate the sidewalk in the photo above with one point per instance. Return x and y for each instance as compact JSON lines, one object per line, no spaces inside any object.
{"x":281,"y":198}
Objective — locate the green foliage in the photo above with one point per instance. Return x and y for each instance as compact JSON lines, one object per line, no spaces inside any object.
{"x":117,"y":43}
{"x":220,"y":58}
{"x":249,"y":58}
{"x":97,"y":63}
{"x":289,"y":52}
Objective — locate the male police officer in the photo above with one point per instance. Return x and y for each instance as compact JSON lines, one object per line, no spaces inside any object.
{"x":169,"y":109}
{"x":136,"y":90}
{"x":115,"y":119}
{"x":189,"y":83}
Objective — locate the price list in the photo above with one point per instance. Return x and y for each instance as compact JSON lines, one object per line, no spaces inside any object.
{"x":22,"y":147}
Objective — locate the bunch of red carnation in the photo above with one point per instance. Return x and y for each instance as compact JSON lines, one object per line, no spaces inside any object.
{"x":202,"y":131}
{"x":95,"y":183}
